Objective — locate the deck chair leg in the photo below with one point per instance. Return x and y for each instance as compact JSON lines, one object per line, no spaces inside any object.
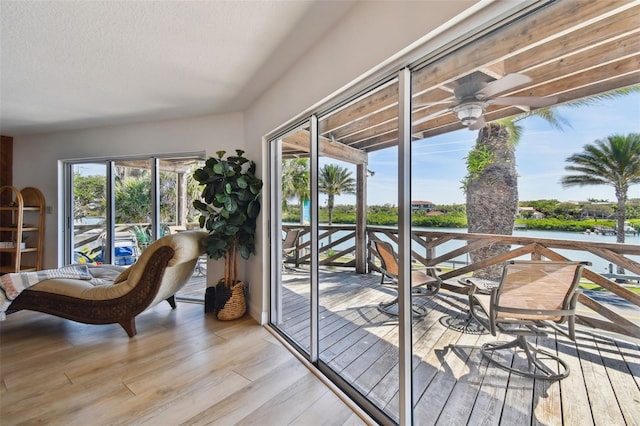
{"x":392,"y":308}
{"x":531,"y":352}
{"x":545,"y":372}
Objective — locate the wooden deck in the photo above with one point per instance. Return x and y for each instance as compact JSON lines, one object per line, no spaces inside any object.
{"x":453,"y":384}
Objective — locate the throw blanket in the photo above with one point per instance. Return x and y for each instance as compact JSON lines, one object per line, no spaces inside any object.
{"x":11,"y":285}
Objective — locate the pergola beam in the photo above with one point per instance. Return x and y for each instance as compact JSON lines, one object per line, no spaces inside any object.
{"x":299,"y":141}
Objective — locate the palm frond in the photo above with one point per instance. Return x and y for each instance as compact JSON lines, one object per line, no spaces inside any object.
{"x":550,"y":115}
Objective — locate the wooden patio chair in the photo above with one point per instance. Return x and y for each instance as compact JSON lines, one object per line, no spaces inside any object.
{"x":532,"y":296}
{"x":424,"y":280}
{"x":290,"y":251}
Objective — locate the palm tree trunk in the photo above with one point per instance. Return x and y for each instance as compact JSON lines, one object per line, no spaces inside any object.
{"x":330,"y":208}
{"x":621,"y":215}
{"x":492,"y":196}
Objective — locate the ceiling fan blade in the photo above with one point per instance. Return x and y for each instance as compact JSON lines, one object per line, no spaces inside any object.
{"x":532,"y":101}
{"x":479,"y":124}
{"x":503,"y":84}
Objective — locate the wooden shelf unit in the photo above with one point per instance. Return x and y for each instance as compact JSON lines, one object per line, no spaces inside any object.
{"x":21,"y":221}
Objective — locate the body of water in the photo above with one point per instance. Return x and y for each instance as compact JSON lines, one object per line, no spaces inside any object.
{"x":597,"y":263}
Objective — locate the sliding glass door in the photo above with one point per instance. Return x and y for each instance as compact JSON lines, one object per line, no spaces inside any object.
{"x":291,"y":293}
{"x":117,"y":207}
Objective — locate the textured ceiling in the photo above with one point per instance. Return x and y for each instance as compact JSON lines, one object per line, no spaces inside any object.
{"x":78,"y":64}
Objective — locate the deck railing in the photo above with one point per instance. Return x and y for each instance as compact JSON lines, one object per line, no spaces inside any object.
{"x":337,"y":248}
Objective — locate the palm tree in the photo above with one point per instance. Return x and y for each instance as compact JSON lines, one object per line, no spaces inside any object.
{"x":491,"y":184}
{"x":295,"y":182}
{"x":613,"y":161}
{"x":133,"y":198}
{"x":335,"y":180}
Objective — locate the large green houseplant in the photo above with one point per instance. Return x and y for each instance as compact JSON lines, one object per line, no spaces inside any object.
{"x":228,"y":210}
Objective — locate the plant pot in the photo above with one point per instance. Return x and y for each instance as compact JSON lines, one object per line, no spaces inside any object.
{"x":230,"y":302}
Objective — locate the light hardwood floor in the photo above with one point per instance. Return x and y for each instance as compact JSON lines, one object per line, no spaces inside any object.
{"x":183,"y":367}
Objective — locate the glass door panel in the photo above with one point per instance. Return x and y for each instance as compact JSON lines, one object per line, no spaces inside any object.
{"x":177,"y":190}
{"x":358,"y":327}
{"x":292,"y":295}
{"x":89,"y":211}
{"x":133,"y":207}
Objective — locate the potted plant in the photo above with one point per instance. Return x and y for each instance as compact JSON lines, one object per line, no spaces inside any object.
{"x":228,"y":210}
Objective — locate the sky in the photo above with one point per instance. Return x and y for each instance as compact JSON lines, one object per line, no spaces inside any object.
{"x":438,"y":163}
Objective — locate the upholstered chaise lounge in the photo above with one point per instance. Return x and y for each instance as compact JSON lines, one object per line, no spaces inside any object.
{"x":120,"y":294}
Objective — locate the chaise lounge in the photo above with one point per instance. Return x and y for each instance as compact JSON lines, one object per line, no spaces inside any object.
{"x":117,"y":295}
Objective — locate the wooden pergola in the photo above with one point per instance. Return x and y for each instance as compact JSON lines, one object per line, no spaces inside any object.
{"x":569,"y":49}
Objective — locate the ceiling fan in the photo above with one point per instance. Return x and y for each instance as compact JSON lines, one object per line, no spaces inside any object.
{"x":472,"y":96}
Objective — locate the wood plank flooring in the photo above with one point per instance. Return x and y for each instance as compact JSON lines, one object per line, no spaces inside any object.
{"x":183,"y":368}
{"x":453,"y":384}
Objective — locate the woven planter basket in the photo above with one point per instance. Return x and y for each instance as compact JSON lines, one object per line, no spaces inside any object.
{"x":236,"y":306}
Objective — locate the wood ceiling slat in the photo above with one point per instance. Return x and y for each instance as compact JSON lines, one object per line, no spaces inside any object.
{"x":620,"y":51}
{"x":374,"y":143}
{"x":380,"y":130}
{"x":592,"y":77}
{"x":577,"y":42}
{"x":366,"y":125}
{"x":603,"y":86}
{"x":362,"y":108}
{"x":443,"y":124}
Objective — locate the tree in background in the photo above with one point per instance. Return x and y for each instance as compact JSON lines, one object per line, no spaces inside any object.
{"x":89,"y":196}
{"x":614,"y":161}
{"x":335,"y":180}
{"x":295,"y":182}
{"x":133,"y":200}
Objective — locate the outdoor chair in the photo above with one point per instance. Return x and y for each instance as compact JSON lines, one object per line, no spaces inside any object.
{"x":532,"y":296}
{"x":290,"y":251}
{"x":424,"y":280}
